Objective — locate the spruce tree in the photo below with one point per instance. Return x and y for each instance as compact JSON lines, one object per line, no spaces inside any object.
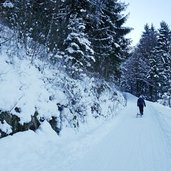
{"x":163,"y":57}
{"x":107,"y":33}
{"x":78,"y":49}
{"x":147,"y":46}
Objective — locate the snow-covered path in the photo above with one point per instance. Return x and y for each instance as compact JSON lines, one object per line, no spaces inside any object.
{"x":136,"y":144}
{"x":125,"y":143}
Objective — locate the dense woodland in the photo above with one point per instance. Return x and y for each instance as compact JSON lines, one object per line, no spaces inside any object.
{"x":89,"y":35}
{"x":148,"y":70}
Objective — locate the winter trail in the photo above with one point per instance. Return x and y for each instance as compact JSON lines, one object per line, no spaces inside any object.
{"x":135,"y":144}
{"x":125,"y":143}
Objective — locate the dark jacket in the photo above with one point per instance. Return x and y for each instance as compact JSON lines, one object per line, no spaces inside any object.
{"x":141,"y":102}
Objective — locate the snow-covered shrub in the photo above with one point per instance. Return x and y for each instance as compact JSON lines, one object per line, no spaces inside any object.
{"x":165,"y":100}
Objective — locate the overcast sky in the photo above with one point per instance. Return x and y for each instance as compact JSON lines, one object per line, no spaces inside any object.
{"x":146,"y":11}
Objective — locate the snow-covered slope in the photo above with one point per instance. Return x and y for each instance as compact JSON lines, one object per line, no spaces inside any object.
{"x":33,"y":90}
{"x":125,"y":143}
{"x":24,"y":87}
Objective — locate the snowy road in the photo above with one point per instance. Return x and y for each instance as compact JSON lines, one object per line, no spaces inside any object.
{"x":125,"y":143}
{"x":136,"y":144}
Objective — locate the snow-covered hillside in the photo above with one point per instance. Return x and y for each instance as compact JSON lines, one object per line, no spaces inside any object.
{"x":125,"y":143}
{"x":33,"y":91}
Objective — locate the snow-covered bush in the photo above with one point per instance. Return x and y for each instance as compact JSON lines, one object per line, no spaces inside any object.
{"x":165,"y":100}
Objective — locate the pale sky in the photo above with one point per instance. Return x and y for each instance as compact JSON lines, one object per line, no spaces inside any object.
{"x":146,"y":11}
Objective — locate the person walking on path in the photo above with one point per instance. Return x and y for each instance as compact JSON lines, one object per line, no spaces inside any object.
{"x":141,"y":104}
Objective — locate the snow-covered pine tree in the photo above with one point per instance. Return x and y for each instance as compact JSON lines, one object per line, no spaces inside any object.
{"x":107,"y":36}
{"x":153,"y":77}
{"x":148,"y":40}
{"x":74,"y":41}
{"x":146,"y":46}
{"x":77,"y":46}
{"x":164,"y":57}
